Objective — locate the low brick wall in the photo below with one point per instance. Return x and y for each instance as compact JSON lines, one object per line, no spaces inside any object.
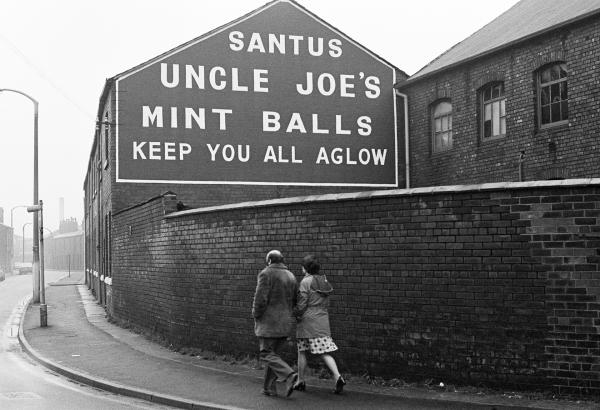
{"x":495,"y":284}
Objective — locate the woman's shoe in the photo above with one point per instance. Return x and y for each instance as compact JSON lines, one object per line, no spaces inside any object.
{"x":293,"y":380}
{"x":339,"y":385}
{"x":300,"y":386}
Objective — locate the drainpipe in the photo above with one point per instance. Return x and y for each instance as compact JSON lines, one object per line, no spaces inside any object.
{"x":521,"y":160}
{"x":406,"y":152}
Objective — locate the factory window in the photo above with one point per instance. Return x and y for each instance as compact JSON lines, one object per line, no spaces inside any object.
{"x":552,"y":96}
{"x":493,"y":111}
{"x":441,"y":126}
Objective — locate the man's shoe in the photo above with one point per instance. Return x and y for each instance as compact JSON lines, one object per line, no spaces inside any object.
{"x":291,"y":382}
{"x":269,"y":393}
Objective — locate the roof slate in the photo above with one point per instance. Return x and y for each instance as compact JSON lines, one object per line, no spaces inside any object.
{"x":525,"y":19}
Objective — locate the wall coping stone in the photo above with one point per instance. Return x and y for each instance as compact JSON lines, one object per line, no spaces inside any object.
{"x":495,"y":186}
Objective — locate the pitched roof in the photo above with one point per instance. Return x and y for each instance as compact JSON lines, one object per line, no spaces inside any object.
{"x":526,"y":19}
{"x":244,"y":17}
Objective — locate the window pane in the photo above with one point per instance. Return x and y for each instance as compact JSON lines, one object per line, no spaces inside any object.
{"x":545,"y":77}
{"x":488,"y":112}
{"x":563,"y":71}
{"x":545,"y":95}
{"x":555,"y":72}
{"x":546,"y":114}
{"x":503,"y":108}
{"x":555,"y":92}
{"x":448,"y":140}
{"x":450,"y":123}
{"x":502,"y":126}
{"x":487,"y":94}
{"x":438,"y":125}
{"x":442,"y":141}
{"x":496,"y":118}
{"x":442,"y":108}
{"x":563,"y":90}
{"x":555,"y":115}
{"x":564,"y":108}
{"x":444,"y":123}
{"x":487,"y":129}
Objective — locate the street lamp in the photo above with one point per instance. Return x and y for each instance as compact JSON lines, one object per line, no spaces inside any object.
{"x":36,"y":250}
{"x":12,"y":210}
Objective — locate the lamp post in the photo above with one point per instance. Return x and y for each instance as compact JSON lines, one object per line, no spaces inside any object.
{"x":38,"y":210}
{"x":36,"y":250}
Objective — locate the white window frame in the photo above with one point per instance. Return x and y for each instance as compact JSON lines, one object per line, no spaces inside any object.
{"x":555,"y":100}
{"x":493,"y":102}
{"x":441,"y":126}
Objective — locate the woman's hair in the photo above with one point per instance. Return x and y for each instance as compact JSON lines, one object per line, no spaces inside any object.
{"x":311,"y":264}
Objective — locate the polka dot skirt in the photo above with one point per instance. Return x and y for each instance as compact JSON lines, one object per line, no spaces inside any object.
{"x":317,"y":345}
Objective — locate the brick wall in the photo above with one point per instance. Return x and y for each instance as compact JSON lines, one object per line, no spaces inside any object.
{"x":495,"y":284}
{"x":567,"y":151}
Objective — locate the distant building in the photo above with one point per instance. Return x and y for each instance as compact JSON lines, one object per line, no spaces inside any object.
{"x":64,"y":251}
{"x":68,"y":225}
{"x":518,"y":99}
{"x":6,"y":245}
{"x":23,"y":252}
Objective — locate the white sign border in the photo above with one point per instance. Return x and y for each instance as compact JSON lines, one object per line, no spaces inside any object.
{"x":226,"y":27}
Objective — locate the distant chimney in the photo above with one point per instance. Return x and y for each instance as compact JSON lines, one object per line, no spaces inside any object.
{"x":1,"y":215}
{"x":61,"y":210}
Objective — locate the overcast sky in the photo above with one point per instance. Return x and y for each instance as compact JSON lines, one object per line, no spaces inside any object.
{"x":61,"y":51}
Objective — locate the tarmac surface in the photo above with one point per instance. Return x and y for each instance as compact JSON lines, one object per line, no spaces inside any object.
{"x":82,"y":345}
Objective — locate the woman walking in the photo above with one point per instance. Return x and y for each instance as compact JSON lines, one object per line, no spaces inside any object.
{"x":312,"y":333}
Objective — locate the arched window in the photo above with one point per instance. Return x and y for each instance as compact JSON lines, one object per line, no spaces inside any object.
{"x":442,"y":126}
{"x":493,"y":111}
{"x":552,"y":95}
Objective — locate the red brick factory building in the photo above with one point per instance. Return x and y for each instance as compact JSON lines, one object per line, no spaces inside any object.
{"x":455,"y":251}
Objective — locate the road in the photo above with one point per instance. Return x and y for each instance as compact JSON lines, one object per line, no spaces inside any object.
{"x":27,"y":385}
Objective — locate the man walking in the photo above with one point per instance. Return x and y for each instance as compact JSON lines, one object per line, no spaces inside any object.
{"x":274,"y":301}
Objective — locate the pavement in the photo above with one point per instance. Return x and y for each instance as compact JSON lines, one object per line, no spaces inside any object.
{"x":81,"y":344}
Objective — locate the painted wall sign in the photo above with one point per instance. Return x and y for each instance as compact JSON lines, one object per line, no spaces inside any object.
{"x":276,"y":97}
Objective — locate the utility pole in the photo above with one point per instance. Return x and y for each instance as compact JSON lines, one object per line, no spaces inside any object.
{"x":38,"y":210}
{"x":36,"y":249}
